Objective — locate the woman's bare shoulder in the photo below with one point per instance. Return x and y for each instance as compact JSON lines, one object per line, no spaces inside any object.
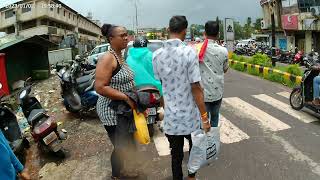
{"x":106,"y":59}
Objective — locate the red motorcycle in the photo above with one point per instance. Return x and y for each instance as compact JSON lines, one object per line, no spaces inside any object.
{"x":298,"y":58}
{"x":44,"y":128}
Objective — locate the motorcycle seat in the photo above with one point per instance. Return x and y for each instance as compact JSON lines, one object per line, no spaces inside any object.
{"x":35,"y":115}
{"x":84,"y":79}
{"x":86,"y":86}
{"x":89,"y":72}
{"x":148,"y":88}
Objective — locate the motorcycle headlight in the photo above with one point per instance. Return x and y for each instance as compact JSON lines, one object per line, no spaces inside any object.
{"x":23,"y":94}
{"x":66,"y":76}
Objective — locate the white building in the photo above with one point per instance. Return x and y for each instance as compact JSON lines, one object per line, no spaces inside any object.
{"x":47,"y":17}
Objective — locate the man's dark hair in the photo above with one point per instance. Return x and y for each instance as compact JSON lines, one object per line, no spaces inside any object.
{"x":177,"y":24}
{"x":212,"y":28}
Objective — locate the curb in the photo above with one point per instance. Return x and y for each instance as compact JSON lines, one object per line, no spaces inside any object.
{"x":266,"y":70}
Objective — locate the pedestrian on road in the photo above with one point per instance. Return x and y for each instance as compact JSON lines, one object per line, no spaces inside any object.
{"x":113,"y":79}
{"x":213,"y":64}
{"x":10,"y":166}
{"x":140,"y":61}
{"x":177,"y":67}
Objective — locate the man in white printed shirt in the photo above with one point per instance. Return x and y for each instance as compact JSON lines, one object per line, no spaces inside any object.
{"x":177,"y":67}
{"x":213,"y":65}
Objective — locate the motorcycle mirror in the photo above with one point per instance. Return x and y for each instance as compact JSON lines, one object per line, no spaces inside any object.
{"x":27,"y":81}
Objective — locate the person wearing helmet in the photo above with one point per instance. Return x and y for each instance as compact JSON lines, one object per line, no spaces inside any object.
{"x":140,"y":61}
{"x":198,"y":40}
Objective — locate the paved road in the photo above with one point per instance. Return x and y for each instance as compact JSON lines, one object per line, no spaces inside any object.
{"x":262,"y":138}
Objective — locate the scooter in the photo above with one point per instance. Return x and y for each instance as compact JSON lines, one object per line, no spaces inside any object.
{"x":298,"y":58}
{"x":11,"y":130}
{"x":304,"y":93}
{"x":78,"y":94}
{"x":44,"y":128}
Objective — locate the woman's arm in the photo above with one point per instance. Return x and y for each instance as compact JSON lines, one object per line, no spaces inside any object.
{"x":14,"y":160}
{"x":105,"y":67}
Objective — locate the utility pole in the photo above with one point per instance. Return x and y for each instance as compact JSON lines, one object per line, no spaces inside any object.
{"x":273,"y":39}
{"x":273,"y":33}
{"x":136,"y":7}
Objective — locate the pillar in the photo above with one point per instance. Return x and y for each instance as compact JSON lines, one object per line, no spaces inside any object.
{"x":291,"y":43}
{"x":308,"y":41}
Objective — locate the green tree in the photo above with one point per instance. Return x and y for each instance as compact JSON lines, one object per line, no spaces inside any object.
{"x":257,"y":24}
{"x":221,"y":30}
{"x":248,"y":29}
{"x":130,"y":32}
{"x":164,"y":32}
{"x":249,"y":21}
{"x":238,"y":30}
{"x":196,"y":30}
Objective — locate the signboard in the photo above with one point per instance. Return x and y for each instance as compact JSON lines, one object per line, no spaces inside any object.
{"x":229,"y":34}
{"x":290,"y":22}
{"x":229,"y":29}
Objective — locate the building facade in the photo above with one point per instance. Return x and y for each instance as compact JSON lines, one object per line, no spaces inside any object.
{"x":50,"y":18}
{"x":298,"y":20}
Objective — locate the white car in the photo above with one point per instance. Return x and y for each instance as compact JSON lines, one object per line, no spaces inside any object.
{"x":153,"y":45}
{"x":243,"y":43}
{"x":97,"y":52}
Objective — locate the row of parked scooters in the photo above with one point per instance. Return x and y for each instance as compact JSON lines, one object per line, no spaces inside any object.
{"x":77,"y":80}
{"x":250,"y":50}
{"x":283,"y":56}
{"x":43,"y":127}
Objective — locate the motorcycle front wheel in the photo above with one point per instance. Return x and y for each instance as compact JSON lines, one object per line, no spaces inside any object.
{"x":296,"y":99}
{"x":72,"y":102}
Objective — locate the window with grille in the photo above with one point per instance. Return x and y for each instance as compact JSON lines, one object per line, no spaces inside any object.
{"x":305,"y":5}
{"x":9,"y":14}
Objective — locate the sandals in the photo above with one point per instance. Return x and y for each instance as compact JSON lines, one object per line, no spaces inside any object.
{"x":316,"y":102}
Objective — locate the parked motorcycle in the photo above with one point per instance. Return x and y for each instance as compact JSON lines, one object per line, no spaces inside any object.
{"x":240,"y":51}
{"x":78,"y":91}
{"x":304,"y":93}
{"x":44,"y":128}
{"x":298,"y":58}
{"x":80,"y":61}
{"x":286,"y":56}
{"x":11,"y":130}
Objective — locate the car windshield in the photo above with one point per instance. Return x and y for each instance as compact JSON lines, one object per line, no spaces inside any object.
{"x":103,"y":49}
{"x":95,"y":51}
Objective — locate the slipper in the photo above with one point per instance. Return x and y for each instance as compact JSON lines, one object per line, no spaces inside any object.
{"x":315,"y":104}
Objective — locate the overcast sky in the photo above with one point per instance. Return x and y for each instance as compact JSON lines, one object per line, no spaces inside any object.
{"x":156,"y":13}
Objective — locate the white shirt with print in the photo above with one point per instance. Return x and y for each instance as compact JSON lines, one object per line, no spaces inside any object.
{"x":177,"y":66}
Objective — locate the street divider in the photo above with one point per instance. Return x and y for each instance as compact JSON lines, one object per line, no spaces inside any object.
{"x":268,"y":73}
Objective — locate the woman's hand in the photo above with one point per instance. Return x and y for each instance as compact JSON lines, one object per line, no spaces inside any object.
{"x":24,"y":175}
{"x":131,"y":103}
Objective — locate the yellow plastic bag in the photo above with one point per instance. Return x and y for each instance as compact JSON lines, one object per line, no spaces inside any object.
{"x":142,"y":133}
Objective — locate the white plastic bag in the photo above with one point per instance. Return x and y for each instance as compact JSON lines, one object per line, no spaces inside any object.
{"x":205,"y":148}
